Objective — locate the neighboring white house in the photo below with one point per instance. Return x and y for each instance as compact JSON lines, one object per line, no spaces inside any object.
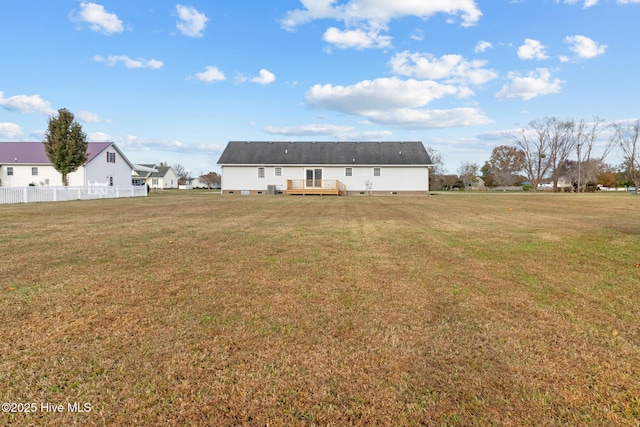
{"x":24,"y":164}
{"x":156,"y":177}
{"x":381,"y":168}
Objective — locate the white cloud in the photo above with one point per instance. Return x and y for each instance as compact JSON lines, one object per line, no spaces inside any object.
{"x":211,"y":74}
{"x":88,"y":117}
{"x":395,"y":102}
{"x":335,"y":131}
{"x":379,"y":12}
{"x":482,"y":46}
{"x":628,"y":1}
{"x":417,"y":35}
{"x":586,"y":3}
{"x":99,"y":19}
{"x":430,"y":119}
{"x":128,"y":62}
{"x":26,"y":104}
{"x":191,"y":22}
{"x":531,"y":49}
{"x":584,"y":47}
{"x":450,"y":68}
{"x":266,"y":77}
{"x":359,"y":38}
{"x":380,"y":94}
{"x":10,"y":131}
{"x":535,"y":83}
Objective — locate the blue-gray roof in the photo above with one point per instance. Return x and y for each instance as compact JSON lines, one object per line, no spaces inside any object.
{"x":324,"y":153}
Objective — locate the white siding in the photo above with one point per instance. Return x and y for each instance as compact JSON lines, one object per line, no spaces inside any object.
{"x":22,"y":176}
{"x":392,"y":178}
{"x":98,"y":170}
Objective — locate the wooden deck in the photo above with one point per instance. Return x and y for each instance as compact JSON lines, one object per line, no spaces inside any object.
{"x":325,"y":187}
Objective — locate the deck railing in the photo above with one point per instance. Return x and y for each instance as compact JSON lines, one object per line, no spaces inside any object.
{"x":316,"y":186}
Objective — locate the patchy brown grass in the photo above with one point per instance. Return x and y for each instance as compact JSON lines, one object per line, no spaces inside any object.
{"x":187,"y":308}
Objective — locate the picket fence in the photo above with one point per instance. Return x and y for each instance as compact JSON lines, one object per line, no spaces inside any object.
{"x":12,"y":195}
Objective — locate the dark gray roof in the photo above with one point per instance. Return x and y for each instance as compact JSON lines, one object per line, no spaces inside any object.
{"x":324,"y":153}
{"x":161,"y":171}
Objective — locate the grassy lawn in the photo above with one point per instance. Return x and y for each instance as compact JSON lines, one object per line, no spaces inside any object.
{"x":188,"y":308}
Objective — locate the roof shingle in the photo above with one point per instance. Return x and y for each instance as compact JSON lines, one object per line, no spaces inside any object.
{"x":324,"y":153}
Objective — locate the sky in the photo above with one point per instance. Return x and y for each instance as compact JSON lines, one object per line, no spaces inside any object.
{"x":175,"y":81}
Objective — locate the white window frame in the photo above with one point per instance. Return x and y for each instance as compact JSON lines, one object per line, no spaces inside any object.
{"x":34,"y":171}
{"x":348,"y":171}
{"x":261,"y":173}
{"x":376,"y":171}
{"x":9,"y":170}
{"x":278,"y":171}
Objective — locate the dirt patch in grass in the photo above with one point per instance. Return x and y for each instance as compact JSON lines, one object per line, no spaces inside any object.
{"x":195,"y":309}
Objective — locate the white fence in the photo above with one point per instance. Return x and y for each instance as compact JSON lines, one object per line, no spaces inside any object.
{"x":11,"y":195}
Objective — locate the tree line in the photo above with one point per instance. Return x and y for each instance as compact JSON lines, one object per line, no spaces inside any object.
{"x":551,"y":149}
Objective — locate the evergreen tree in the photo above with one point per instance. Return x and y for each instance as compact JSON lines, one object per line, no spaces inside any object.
{"x":65,"y":144}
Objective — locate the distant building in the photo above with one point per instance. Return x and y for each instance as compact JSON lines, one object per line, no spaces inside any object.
{"x":25,"y":164}
{"x":156,"y":177}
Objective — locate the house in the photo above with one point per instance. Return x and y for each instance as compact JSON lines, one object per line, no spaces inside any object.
{"x":156,"y":177}
{"x":346,"y":167}
{"x":25,"y":164}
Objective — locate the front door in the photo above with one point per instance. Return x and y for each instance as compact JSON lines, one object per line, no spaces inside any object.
{"x":314,"y":178}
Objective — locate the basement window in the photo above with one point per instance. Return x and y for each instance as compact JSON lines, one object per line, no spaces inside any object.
{"x":260,"y":172}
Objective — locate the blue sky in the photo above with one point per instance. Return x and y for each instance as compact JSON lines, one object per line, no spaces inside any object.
{"x":175,"y":81}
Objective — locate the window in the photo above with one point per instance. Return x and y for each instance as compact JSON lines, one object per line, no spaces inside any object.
{"x":154,"y":181}
{"x":9,"y":170}
{"x":348,"y":171}
{"x":260,"y":172}
{"x":278,"y":171}
{"x":111,"y":157}
{"x":34,"y":171}
{"x":376,"y":171}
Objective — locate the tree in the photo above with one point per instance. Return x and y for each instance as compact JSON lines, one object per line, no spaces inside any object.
{"x":437,"y":170}
{"x":590,"y":164}
{"x":563,"y":139}
{"x":626,"y":137}
{"x":535,"y":144}
{"x":468,"y":173}
{"x":184,"y":176}
{"x":488,"y":176}
{"x":210,"y":179}
{"x":65,"y":144}
{"x":505,"y":163}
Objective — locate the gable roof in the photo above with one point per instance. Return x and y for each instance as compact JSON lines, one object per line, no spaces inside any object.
{"x":324,"y":153}
{"x":33,"y":153}
{"x":152,"y":171}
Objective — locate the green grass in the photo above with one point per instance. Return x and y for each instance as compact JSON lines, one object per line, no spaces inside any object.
{"x":187,"y":308}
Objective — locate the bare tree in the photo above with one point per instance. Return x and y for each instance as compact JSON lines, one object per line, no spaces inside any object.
{"x":626,"y":138}
{"x":184,"y":176}
{"x":563,"y":137}
{"x":437,"y":170}
{"x":535,"y":143}
{"x":590,"y":163}
{"x":468,"y":173}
